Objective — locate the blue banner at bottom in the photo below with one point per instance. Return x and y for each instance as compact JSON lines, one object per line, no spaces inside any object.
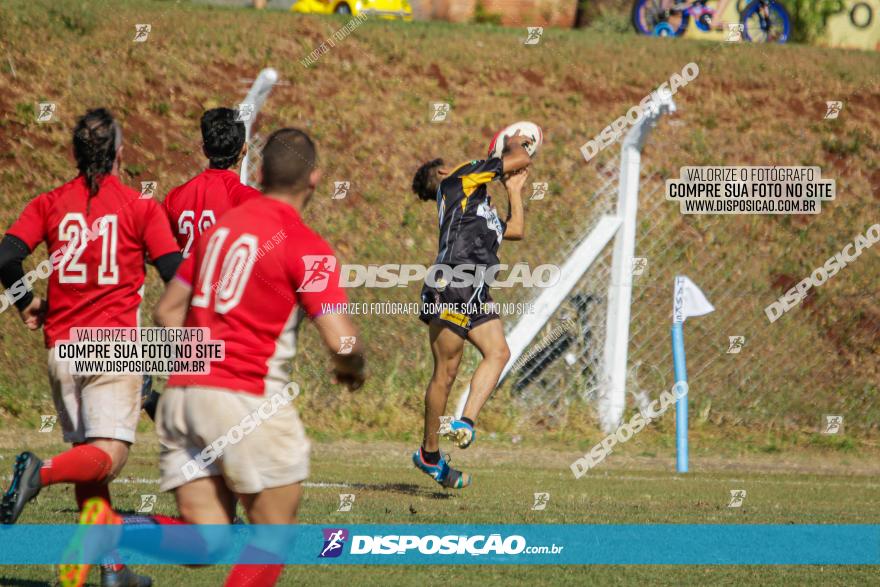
{"x":147,"y":543}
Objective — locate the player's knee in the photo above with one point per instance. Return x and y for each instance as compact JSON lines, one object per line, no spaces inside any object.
{"x":444,"y":377}
{"x":196,"y":512}
{"x":119,"y":460}
{"x":117,"y":450}
{"x":500,"y":354}
{"x":188,"y":513}
{"x":444,"y":381}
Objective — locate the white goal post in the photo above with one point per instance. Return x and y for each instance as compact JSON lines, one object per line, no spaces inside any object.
{"x":621,"y":228}
{"x":248,"y":111}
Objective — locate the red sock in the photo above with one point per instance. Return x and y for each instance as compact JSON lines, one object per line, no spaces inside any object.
{"x":86,"y":491}
{"x":254,"y":575}
{"x":81,"y":464}
{"x":166,"y":520}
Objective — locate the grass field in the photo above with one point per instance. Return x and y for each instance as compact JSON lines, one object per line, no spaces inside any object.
{"x":797,"y":488}
{"x":366,"y":102}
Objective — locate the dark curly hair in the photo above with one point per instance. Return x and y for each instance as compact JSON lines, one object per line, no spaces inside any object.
{"x":96,"y":137}
{"x":223,"y":137}
{"x":423,"y":184}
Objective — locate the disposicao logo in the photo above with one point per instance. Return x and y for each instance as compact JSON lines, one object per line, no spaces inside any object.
{"x":334,"y":541}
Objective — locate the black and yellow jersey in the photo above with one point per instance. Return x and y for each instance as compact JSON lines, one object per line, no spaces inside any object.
{"x":470,"y":229}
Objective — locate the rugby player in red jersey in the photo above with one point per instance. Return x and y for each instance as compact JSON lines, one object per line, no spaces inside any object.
{"x":195,"y":206}
{"x":98,"y":233}
{"x":470,"y":235}
{"x":250,"y":279}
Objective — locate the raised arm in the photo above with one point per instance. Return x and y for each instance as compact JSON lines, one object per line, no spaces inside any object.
{"x":515,"y":226}
{"x":515,"y":156}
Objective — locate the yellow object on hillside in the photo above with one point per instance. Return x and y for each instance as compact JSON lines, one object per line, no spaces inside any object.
{"x":391,"y":9}
{"x":857,"y":27}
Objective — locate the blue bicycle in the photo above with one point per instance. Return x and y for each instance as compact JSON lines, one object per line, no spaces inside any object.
{"x":763,"y":21}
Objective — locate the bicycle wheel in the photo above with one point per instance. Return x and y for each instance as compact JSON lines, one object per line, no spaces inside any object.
{"x":649,"y":17}
{"x":766,"y":22}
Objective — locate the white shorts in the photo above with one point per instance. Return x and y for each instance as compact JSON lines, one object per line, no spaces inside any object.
{"x":95,"y":406}
{"x":253,"y":442}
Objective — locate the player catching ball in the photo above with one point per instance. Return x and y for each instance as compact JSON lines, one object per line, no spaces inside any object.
{"x":470,"y":234}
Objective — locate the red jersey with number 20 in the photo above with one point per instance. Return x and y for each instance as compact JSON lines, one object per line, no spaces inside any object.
{"x":250,"y":275}
{"x":97,"y":247}
{"x":195,"y":206}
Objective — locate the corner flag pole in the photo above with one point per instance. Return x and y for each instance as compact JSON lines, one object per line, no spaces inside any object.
{"x":681,"y":404}
{"x":687,"y":301}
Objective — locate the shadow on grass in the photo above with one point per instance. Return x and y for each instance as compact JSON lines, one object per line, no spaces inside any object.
{"x":7,"y":582}
{"x":75,"y":513}
{"x":405,"y":488}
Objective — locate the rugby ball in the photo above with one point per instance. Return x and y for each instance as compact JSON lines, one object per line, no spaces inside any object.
{"x":529,"y":129}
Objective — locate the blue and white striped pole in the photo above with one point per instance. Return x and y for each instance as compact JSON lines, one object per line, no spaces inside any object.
{"x":687,"y":301}
{"x":681,"y":404}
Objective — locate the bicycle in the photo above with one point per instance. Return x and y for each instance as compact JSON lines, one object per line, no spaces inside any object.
{"x":763,"y":21}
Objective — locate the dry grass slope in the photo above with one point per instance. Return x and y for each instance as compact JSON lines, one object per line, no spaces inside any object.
{"x":366,"y":104}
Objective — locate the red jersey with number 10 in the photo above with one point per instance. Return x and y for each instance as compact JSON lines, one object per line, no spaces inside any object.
{"x":250,"y":275}
{"x":98,"y":247}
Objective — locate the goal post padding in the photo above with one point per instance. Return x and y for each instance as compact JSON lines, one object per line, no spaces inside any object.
{"x":254,"y":101}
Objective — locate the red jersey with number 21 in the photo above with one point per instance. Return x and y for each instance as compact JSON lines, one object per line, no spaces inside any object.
{"x":250,"y":275}
{"x":98,"y":247}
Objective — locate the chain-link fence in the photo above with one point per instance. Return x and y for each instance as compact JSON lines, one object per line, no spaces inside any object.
{"x":818,"y":360}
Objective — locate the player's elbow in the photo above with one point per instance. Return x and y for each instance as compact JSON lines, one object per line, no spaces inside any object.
{"x":517,"y":159}
{"x":167,"y":265}
{"x":160,"y":315}
{"x":164,"y":314}
{"x":514,"y":232}
{"x":12,"y":251}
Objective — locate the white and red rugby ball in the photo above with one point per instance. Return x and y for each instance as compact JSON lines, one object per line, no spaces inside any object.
{"x":525,"y":128}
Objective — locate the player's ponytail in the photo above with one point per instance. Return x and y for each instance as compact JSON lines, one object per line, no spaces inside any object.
{"x":95,"y":140}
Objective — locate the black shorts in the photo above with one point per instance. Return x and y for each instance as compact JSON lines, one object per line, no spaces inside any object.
{"x":458,"y":308}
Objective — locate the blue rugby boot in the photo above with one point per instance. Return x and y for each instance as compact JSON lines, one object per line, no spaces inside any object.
{"x":459,"y":432}
{"x":441,"y":472}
